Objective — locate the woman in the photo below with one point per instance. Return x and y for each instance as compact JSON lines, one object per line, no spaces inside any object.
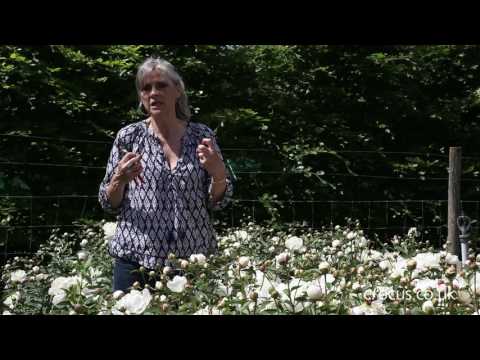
{"x":163,"y":175}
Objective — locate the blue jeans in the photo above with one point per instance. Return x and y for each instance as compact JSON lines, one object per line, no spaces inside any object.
{"x":125,"y":273}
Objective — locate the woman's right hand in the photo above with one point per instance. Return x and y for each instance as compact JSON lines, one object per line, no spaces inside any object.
{"x":129,"y":168}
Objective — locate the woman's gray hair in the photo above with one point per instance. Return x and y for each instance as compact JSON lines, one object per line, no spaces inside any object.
{"x":182,"y":107}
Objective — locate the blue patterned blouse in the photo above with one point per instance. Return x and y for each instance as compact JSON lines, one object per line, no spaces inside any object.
{"x":168,"y":212}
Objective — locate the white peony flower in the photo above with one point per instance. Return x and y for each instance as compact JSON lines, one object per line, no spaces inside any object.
{"x":12,"y":300}
{"x":425,"y":284}
{"x":452,"y":259}
{"x":18,"y":276}
{"x":384,"y":265}
{"x":356,"y":286}
{"x":35,"y":269}
{"x":109,"y":229}
{"x":351,"y":235}
{"x":375,"y":308}
{"x":60,"y":285}
{"x":177,"y":284}
{"x":426,"y":261}
{"x":294,"y":243}
{"x":135,"y":302}
{"x":376,"y":255}
{"x":241,"y":235}
{"x":41,"y":277}
{"x":208,"y":311}
{"x":336,"y":243}
{"x":412,"y":232}
{"x":200,"y":259}
{"x":314,"y":292}
{"x":118,"y":294}
{"x":362,"y":242}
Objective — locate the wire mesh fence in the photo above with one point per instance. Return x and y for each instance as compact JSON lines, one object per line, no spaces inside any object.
{"x":380,"y":219}
{"x":37,"y":215}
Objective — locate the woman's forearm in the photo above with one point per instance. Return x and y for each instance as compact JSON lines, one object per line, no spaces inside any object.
{"x":219,"y":186}
{"x":115,"y":191}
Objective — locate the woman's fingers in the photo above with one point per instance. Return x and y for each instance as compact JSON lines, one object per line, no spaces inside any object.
{"x":131,"y":161}
{"x":207,"y":142}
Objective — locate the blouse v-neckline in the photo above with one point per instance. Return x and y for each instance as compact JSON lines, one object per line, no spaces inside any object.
{"x":183,"y":143}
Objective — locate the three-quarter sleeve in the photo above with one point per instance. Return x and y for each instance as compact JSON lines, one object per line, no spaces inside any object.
{"x":227,"y":197}
{"x":113,"y":160}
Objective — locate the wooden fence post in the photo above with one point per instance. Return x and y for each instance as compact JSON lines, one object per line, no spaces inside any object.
{"x":454,"y":176}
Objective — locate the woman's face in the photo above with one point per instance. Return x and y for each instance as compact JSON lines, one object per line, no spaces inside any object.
{"x":158,"y":93}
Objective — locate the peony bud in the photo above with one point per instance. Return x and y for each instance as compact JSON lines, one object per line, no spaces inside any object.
{"x":324,"y":267}
{"x":158,"y":285}
{"x":78,"y":308}
{"x":171,"y":256}
{"x":136,"y":285}
{"x":314,"y":293}
{"x":221,"y":303}
{"x":451,"y":272}
{"x":243,"y":261}
{"x":282,"y":258}
{"x":428,"y":308}
{"x":263,"y":267}
{"x":274,"y":293}
{"x":152,"y":274}
{"x":184,"y":264}
{"x":411,"y":264}
{"x":82,"y":255}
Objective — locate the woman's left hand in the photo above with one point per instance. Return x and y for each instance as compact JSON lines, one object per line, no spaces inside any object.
{"x":210,"y":160}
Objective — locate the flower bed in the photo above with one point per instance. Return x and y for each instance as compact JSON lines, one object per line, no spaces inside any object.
{"x":257,"y":270}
